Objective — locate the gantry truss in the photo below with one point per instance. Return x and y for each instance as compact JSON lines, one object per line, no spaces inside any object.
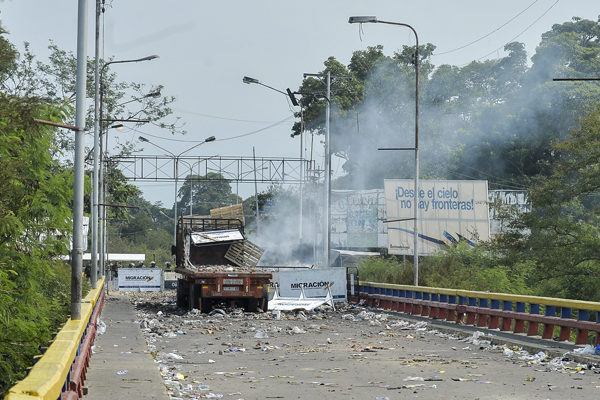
{"x":234,"y":169}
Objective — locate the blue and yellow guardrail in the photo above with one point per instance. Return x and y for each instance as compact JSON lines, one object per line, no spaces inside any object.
{"x":506,"y":312}
{"x":60,"y":372}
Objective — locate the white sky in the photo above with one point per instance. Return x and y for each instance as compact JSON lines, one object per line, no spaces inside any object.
{"x":206,"y":47}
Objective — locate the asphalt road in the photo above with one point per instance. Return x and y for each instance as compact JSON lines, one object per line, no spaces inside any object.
{"x":351,"y":353}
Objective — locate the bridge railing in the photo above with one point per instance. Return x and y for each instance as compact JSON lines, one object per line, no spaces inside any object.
{"x":507,"y":312}
{"x":61,"y":371}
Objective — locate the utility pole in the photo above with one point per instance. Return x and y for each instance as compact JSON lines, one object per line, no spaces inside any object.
{"x":77,"y":251}
{"x":327,"y":202}
{"x":95,"y":180}
{"x":328,"y":172}
{"x":256,"y":194}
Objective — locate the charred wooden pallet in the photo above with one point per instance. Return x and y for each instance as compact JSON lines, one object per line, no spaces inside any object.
{"x":244,"y":254}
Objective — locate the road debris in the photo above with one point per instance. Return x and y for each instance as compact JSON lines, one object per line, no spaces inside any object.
{"x":352,"y":352}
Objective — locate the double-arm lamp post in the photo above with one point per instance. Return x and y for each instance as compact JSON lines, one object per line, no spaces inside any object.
{"x":371,"y":19}
{"x":98,"y":177}
{"x":176,"y":170}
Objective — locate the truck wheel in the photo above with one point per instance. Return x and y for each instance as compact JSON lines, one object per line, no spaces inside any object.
{"x":251,"y":305}
{"x":182,"y":296}
{"x":205,"y":305}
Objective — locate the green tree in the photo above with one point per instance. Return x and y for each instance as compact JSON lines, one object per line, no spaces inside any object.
{"x":207,"y":191}
{"x":34,"y":221}
{"x":561,"y":234}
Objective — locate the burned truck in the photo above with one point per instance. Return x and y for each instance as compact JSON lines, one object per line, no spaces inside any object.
{"x":217,"y":263}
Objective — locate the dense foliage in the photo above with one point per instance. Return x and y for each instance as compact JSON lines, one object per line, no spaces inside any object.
{"x":36,"y":195}
{"x":34,"y":212}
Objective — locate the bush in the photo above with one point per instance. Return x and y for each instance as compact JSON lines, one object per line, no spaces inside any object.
{"x":461,"y":267}
{"x":34,"y":303}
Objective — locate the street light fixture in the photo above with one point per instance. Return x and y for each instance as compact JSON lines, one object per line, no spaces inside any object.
{"x":372,"y":19}
{"x":287,"y":92}
{"x":176,"y":166}
{"x":98,"y":178}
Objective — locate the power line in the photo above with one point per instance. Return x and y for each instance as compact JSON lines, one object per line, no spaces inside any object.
{"x":217,"y":140}
{"x":488,"y":34}
{"x":221,"y":118}
{"x":520,"y":33}
{"x":258,"y":130}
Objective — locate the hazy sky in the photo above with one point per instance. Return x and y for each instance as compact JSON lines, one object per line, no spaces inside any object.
{"x":206,"y":47}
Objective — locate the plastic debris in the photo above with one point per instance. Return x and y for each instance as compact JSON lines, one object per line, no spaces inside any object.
{"x":122,"y":372}
{"x":260,"y":335}
{"x":174,"y":356}
{"x":178,"y":377}
{"x":101,"y":330}
{"x":296,"y":330}
{"x":588,"y":349}
{"x":414,"y":378}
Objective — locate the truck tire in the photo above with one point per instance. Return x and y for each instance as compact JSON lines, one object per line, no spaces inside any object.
{"x":205,"y":305}
{"x":182,"y":295}
{"x":251,"y":305}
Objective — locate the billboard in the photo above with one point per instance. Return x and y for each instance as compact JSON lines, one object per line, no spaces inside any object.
{"x":448,"y":212}
{"x":140,"y":279}
{"x":357,"y":219}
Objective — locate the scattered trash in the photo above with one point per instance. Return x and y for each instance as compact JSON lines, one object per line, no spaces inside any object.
{"x":413,"y":378}
{"x":296,"y":330}
{"x":217,"y":311}
{"x":588,"y":349}
{"x":174,"y":356}
{"x":260,"y":335}
{"x":122,"y":372}
{"x":239,"y":341}
{"x":178,"y":377}
{"x":101,"y":329}
{"x":508,"y":352}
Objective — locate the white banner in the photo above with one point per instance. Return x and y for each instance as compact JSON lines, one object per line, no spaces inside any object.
{"x":140,"y":279}
{"x":448,"y":212}
{"x":314,"y":282}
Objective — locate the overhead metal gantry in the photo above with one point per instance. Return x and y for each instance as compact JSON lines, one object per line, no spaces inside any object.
{"x":234,"y":169}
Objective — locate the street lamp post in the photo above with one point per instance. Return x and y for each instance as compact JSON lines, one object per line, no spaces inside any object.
{"x":98,"y":229}
{"x":371,"y":19}
{"x":80,"y":83}
{"x":292,"y":97}
{"x":328,"y":173}
{"x":176,"y":170}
